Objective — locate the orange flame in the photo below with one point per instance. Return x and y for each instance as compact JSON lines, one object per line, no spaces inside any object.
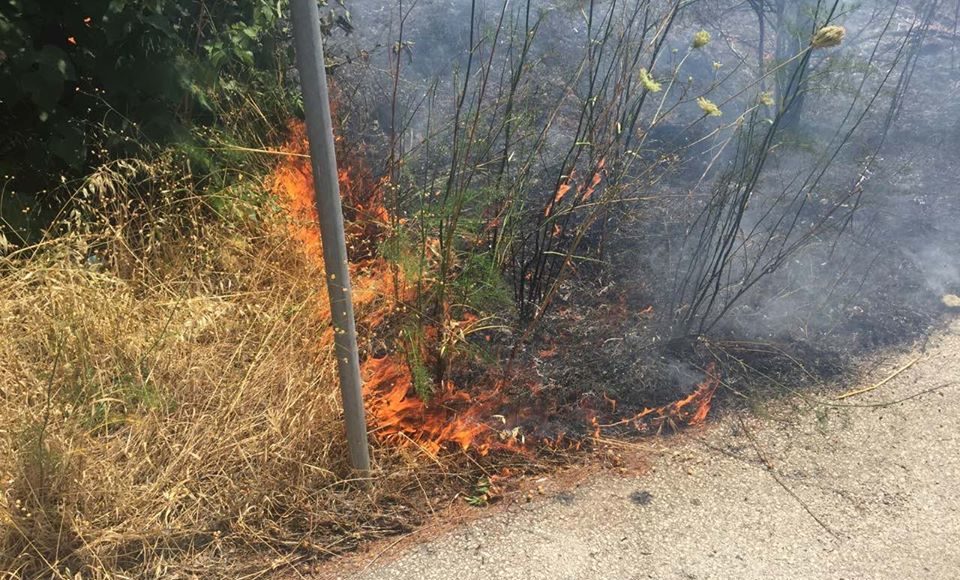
{"x":691,"y":410}
{"x":558,"y":197}
{"x":584,"y":191}
{"x":396,"y":414}
{"x":453,"y":417}
{"x":292,"y":187}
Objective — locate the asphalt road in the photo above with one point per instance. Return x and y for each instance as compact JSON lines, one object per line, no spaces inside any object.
{"x":810,"y":487}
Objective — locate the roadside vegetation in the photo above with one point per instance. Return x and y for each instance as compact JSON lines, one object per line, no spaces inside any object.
{"x":548,"y":248}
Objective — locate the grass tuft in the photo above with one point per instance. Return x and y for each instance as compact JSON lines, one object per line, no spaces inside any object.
{"x":160,"y":418}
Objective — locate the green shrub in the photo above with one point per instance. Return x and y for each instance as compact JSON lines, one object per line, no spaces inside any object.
{"x":86,"y":82}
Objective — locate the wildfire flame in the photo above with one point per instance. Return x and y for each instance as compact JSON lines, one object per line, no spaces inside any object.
{"x":584,"y":191}
{"x":452,"y":416}
{"x":396,"y":414}
{"x":691,"y":410}
{"x":292,"y":187}
{"x":483,"y":420}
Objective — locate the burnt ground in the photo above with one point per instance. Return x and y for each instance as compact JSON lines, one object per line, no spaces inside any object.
{"x":714,"y":502}
{"x":877,"y":286}
{"x":804,"y":487}
{"x":880,"y":288}
{"x":799,"y":485}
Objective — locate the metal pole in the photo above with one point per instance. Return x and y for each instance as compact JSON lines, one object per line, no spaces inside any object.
{"x":313,"y":81}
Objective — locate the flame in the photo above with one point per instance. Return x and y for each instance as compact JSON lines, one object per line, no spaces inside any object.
{"x":292,"y":187}
{"x":691,"y":410}
{"x":558,"y":197}
{"x":594,"y":181}
{"x":482,"y":419}
{"x":396,"y":414}
{"x":584,"y":191}
{"x":452,"y":417}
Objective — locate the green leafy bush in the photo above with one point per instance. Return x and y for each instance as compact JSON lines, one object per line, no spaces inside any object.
{"x":83,"y":82}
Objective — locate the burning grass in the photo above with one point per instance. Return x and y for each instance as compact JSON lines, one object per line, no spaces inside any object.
{"x":499,"y":410}
{"x":160,"y":417}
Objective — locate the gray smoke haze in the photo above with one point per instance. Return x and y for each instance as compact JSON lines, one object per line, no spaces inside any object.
{"x":866,"y":188}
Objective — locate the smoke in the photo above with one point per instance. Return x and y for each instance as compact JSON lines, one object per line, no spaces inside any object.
{"x":939,"y":268}
{"x":850,"y":231}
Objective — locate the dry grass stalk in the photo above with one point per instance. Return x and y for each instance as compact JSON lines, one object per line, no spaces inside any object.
{"x":158,"y":420}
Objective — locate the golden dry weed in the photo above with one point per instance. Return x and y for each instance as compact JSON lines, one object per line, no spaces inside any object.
{"x":159,"y":420}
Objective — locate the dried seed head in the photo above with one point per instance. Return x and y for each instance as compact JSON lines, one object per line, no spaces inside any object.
{"x":701,"y":39}
{"x":647,"y":81}
{"x":708,"y":107}
{"x":828,"y":36}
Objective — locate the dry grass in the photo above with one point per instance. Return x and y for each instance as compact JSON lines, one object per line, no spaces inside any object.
{"x":160,"y":417}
